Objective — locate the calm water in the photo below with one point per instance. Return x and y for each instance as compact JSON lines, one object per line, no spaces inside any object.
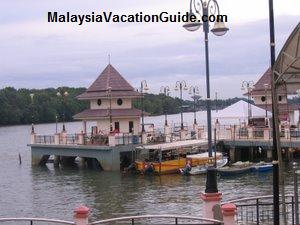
{"x":54,"y":193}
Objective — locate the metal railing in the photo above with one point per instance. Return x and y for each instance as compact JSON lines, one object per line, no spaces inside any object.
{"x":32,"y":220}
{"x":259,"y":210}
{"x":44,"y":139}
{"x":95,"y":139}
{"x":125,"y":139}
{"x":159,"y":219}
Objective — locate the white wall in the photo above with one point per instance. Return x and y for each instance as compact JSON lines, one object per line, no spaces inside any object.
{"x":257,"y":100}
{"x":105,"y":104}
{"x":104,"y":125}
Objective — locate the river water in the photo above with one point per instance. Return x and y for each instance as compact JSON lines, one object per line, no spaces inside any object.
{"x":54,"y":192}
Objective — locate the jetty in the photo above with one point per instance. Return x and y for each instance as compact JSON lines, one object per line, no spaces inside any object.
{"x":120,"y":130}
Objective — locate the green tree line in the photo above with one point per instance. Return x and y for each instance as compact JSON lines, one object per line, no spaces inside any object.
{"x":17,"y":107}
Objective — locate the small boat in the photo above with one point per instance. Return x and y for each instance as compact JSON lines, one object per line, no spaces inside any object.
{"x":168,"y":158}
{"x":263,"y":167}
{"x":198,"y":170}
{"x":236,"y":169}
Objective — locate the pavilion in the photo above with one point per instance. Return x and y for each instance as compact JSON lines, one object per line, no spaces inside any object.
{"x":111,"y":106}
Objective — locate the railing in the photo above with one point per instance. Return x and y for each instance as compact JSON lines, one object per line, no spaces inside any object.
{"x":125,"y":139}
{"x":32,"y":220}
{"x":157,"y":219}
{"x":259,"y":210}
{"x":44,"y":139}
{"x":95,"y":140}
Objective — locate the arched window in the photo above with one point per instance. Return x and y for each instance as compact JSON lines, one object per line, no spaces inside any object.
{"x":263,"y":98}
{"x":99,"y":102}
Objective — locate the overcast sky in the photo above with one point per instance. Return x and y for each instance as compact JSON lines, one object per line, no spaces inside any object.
{"x":37,"y":54}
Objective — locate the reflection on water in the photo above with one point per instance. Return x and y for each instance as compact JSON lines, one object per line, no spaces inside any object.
{"x":54,"y":193}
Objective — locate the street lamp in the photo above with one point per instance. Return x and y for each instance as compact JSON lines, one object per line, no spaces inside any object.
{"x":266,"y":86}
{"x":194,"y":91}
{"x":64,"y":95}
{"x":205,"y":9}
{"x":32,"y":113}
{"x":144,"y":88}
{"x":166,"y":91}
{"x":247,"y":86}
{"x":216,"y":98}
{"x":110,"y":116}
{"x":298,"y":93}
{"x":181,"y":85}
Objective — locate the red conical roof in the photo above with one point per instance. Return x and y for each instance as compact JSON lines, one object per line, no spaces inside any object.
{"x":109,"y":77}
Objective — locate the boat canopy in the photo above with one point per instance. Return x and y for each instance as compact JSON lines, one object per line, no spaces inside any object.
{"x":174,"y":145}
{"x":286,"y":70}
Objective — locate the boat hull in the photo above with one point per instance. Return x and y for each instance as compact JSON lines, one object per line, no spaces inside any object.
{"x":234,"y":171}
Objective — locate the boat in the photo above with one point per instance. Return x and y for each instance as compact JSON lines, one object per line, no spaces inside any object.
{"x":201,"y":169}
{"x":236,"y":169}
{"x":263,"y":167}
{"x":168,"y":158}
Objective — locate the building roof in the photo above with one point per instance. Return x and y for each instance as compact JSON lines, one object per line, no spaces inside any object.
{"x":104,"y":113}
{"x":109,"y":78}
{"x":259,"y":86}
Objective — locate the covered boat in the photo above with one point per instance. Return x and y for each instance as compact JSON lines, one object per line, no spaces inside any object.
{"x":168,"y":158}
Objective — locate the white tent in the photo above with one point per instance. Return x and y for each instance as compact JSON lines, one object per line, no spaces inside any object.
{"x":239,"y":110}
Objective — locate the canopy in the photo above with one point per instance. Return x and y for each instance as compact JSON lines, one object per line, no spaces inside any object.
{"x":287,"y":66}
{"x":240,"y":110}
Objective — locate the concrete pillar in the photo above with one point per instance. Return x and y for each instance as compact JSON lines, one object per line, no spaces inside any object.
{"x":144,"y":138}
{"x":210,"y":200}
{"x":81,"y":215}
{"x":269,"y":154}
{"x":251,"y":151}
{"x":232,"y":155}
{"x":200,"y":133}
{"x":81,"y":138}
{"x":64,"y":137}
{"x":250,"y":132}
{"x":84,"y":126}
{"x":56,"y":139}
{"x":196,"y":130}
{"x":287,"y":133}
{"x":266,"y":133}
{"x":32,"y":138}
{"x":111,"y":140}
{"x":167,"y":133}
{"x":183,"y":134}
{"x":56,"y":161}
{"x":229,"y":212}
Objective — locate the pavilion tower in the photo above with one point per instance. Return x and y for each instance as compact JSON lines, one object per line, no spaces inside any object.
{"x":111,"y":106}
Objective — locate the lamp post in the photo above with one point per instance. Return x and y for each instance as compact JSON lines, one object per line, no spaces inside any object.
{"x":64,"y":95}
{"x":180,"y":86}
{"x":216,"y":95}
{"x":296,"y":173}
{"x":32,"y":113}
{"x":206,"y":9}
{"x":298,"y":93}
{"x":110,"y":116}
{"x":248,"y":85}
{"x":266,"y":86}
{"x":144,"y":88}
{"x":166,"y":91}
{"x":194,"y":91}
